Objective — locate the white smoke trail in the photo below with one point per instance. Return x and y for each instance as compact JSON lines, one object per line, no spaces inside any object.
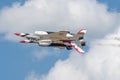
{"x":58,"y":15}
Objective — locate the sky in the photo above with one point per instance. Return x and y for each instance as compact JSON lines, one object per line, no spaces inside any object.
{"x":30,"y":62}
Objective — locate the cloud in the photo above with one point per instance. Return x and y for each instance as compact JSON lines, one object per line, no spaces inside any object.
{"x":99,"y":63}
{"x":40,"y":54}
{"x":58,"y":15}
{"x":33,"y":76}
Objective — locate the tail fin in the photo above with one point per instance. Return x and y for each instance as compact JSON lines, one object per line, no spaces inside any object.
{"x":80,"y":34}
{"x":78,"y":49}
{"x":82,"y":31}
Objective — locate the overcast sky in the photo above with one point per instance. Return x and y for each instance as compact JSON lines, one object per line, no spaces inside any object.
{"x":101,"y":61}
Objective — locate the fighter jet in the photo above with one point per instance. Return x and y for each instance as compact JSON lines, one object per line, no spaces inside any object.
{"x":61,"y":39}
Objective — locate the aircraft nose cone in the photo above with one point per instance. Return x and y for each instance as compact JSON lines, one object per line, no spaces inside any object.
{"x":17,"y":33}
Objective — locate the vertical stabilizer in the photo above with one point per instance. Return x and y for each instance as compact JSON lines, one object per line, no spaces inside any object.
{"x":80,"y":34}
{"x":82,"y":31}
{"x":78,"y":49}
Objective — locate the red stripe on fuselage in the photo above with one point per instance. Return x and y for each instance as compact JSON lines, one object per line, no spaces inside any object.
{"x":68,"y":41}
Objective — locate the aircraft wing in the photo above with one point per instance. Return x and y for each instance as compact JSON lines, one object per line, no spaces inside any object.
{"x":61,"y":35}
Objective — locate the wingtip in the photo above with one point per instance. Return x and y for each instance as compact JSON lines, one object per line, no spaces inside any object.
{"x":82,"y":31}
{"x":17,"y":33}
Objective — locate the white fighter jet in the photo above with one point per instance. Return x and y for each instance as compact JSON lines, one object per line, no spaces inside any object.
{"x":61,"y":39}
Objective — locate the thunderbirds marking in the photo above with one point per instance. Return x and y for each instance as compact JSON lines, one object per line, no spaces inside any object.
{"x":61,"y":39}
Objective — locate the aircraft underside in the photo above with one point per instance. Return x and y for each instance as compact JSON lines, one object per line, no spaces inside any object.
{"x":61,"y":46}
